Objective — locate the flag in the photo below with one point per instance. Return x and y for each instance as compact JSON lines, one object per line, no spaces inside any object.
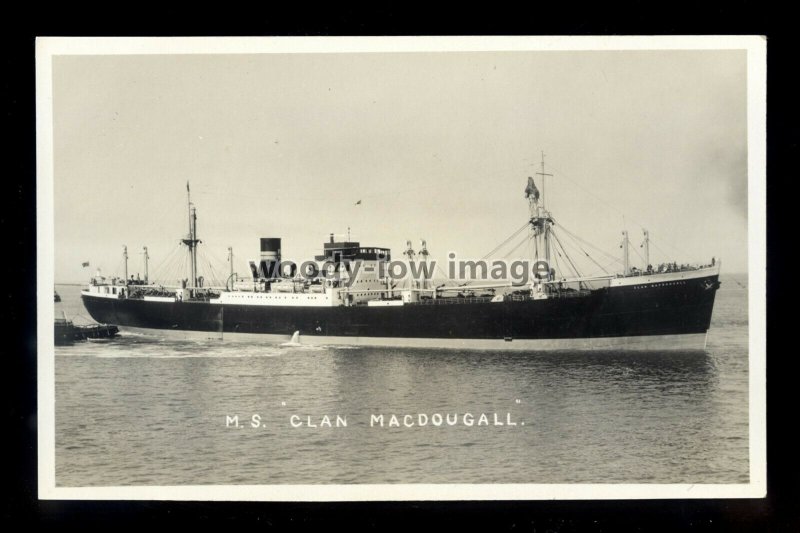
{"x":85,"y":264}
{"x":531,"y":191}
{"x":358,"y":202}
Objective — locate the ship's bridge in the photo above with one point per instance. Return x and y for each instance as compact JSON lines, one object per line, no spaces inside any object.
{"x":351,"y":250}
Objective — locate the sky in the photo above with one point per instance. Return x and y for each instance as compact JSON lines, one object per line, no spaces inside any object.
{"x":434,"y":145}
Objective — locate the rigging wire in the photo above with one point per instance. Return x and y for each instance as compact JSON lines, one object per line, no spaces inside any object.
{"x":173,"y":271}
{"x":169,"y":256}
{"x":663,"y":253}
{"x":637,"y":253}
{"x":155,"y":268}
{"x":506,"y":241}
{"x":562,"y":174}
{"x":185,"y":260}
{"x":182,"y":269}
{"x":604,"y":269}
{"x":523,"y":241}
{"x":480,"y":176}
{"x":574,"y":267}
{"x":215,"y":258}
{"x":119,"y":267}
{"x":531,"y":243}
{"x":575,"y":243}
{"x":588,"y":244}
{"x":577,"y":273}
{"x":444,"y":275}
{"x":555,"y":259}
{"x":566,"y":253}
{"x":211,"y":272}
{"x":513,"y":235}
{"x":168,"y":265}
{"x":222,"y":265}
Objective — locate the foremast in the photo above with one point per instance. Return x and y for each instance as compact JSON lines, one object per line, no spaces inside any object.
{"x":191,"y":240}
{"x":540,"y":219}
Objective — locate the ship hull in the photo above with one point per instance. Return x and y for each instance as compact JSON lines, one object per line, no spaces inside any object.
{"x":656,"y":314}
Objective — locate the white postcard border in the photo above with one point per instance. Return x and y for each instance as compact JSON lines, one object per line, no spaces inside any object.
{"x":48,"y":47}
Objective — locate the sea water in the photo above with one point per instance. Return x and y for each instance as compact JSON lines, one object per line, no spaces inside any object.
{"x":142,"y":410}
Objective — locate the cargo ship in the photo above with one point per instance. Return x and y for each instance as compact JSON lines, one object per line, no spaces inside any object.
{"x":347,"y":298}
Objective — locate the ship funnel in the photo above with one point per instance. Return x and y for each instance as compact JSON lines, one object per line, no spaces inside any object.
{"x":270,"y":257}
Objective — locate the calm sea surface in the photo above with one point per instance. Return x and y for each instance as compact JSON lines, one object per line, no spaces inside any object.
{"x":140,"y":410}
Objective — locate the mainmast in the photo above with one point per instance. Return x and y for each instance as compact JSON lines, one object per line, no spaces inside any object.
{"x":541,"y":221}
{"x":191,"y":240}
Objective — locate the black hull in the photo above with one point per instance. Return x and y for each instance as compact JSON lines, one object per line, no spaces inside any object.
{"x":628,"y":311}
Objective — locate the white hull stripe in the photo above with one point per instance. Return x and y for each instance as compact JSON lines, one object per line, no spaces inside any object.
{"x":651,"y":279}
{"x":694,"y":341}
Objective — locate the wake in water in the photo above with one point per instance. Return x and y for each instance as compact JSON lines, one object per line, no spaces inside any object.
{"x":295,"y":340}
{"x":130,"y":345}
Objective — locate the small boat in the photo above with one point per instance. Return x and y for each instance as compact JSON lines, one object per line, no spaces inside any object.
{"x":96,"y":332}
{"x":66,"y":332}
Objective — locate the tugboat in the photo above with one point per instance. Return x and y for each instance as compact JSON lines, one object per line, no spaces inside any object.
{"x":344,"y":296}
{"x":66,"y":332}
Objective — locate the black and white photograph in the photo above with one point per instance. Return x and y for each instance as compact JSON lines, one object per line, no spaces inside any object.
{"x":417,"y":268}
